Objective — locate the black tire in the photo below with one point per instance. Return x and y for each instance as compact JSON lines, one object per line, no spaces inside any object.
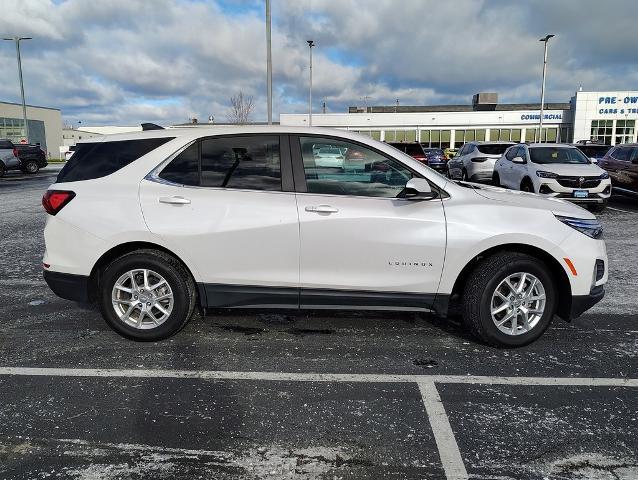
{"x":464,"y":175}
{"x":527,"y":186}
{"x":175,"y":274}
{"x":2,"y":170}
{"x":31,"y":167}
{"x":496,"y":179}
{"x":480,"y":287}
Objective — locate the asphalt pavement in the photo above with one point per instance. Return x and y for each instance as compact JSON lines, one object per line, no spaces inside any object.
{"x":304,"y":395}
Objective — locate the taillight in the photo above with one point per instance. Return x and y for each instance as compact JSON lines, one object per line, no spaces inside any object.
{"x":420,"y":158}
{"x":54,"y":200}
{"x":15,"y":152}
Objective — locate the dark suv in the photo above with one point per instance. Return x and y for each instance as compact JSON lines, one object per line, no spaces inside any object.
{"x":25,"y":157}
{"x":622,"y":164}
{"x":432,"y":157}
{"x":594,"y":151}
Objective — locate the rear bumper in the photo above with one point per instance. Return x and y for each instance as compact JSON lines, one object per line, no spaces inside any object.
{"x":68,"y":286}
{"x":582,"y":303}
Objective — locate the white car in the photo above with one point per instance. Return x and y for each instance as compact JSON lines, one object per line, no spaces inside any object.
{"x":475,"y":161}
{"x":554,"y":170}
{"x":330,"y":157}
{"x":154,"y":224}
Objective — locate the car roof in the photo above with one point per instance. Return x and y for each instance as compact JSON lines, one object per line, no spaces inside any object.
{"x":191,"y":133}
{"x":495,"y":142}
{"x":565,"y":145}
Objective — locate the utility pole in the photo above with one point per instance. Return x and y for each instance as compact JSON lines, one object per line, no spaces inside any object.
{"x":24,"y":105}
{"x":310,"y":45}
{"x":269,"y":60}
{"x":545,"y":39}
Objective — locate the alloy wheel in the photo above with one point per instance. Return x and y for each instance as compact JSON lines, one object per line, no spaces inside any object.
{"x":142,"y":299}
{"x":518,"y":303}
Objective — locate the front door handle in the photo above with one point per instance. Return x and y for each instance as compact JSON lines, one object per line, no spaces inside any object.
{"x":321,"y":209}
{"x":175,"y":200}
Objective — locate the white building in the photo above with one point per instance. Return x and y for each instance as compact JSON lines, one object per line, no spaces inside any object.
{"x":588,"y":115}
{"x":71,"y":136}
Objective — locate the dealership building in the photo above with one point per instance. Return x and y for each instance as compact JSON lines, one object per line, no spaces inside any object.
{"x":609,"y":117}
{"x":45,"y":126}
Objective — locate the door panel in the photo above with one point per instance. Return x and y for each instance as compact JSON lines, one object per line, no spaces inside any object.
{"x":356,"y":234}
{"x":231,"y":236}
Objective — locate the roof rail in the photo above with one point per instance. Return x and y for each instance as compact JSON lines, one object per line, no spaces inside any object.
{"x":151,"y":126}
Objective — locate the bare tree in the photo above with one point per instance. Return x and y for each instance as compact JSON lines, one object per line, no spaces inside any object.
{"x":240,"y":108}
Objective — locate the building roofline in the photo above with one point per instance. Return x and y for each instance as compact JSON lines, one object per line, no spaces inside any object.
{"x":499,"y":107}
{"x":31,"y":106}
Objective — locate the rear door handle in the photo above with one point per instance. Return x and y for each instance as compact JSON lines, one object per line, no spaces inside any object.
{"x":321,"y":209}
{"x":175,"y":200}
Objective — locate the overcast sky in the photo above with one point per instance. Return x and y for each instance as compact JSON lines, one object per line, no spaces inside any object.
{"x":123,"y":62}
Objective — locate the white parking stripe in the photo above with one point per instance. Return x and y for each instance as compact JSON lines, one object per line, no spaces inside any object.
{"x":319,"y":377}
{"x":443,"y":434}
{"x":619,"y":210}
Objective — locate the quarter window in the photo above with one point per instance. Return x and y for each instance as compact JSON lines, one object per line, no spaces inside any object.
{"x":359,"y":171}
{"x":184,"y":168}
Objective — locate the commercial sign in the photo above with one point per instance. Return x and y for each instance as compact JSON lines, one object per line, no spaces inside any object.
{"x":546,"y":116}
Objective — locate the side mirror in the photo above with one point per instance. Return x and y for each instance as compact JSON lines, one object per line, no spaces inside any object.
{"x":418,"y":189}
{"x":593,"y":160}
{"x":518,"y":160}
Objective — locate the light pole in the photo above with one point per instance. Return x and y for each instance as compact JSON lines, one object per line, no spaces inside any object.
{"x":545,"y":39}
{"x":269,"y":60}
{"x":24,"y":105}
{"x":310,"y":45}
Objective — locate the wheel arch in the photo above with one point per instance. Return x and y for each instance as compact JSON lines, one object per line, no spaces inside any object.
{"x":558,"y":272}
{"x":122,"y":249}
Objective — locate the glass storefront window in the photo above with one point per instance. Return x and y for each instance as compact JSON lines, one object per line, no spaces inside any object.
{"x":425,"y":136}
{"x":625,"y":131}
{"x":601,"y":130}
{"x":516,"y":135}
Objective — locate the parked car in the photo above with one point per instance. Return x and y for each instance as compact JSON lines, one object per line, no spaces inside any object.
{"x":19,"y":156}
{"x":594,"y":151}
{"x":436,"y":159}
{"x":413,"y":149}
{"x":32,"y":157}
{"x":621,"y":162}
{"x":475,"y":161}
{"x":555,"y":170}
{"x":151,"y":225}
{"x":329,"y":156}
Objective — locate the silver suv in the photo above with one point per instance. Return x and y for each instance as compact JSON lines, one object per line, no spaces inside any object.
{"x":475,"y":161}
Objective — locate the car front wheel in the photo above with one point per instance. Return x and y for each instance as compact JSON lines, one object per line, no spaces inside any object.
{"x":146,"y":295}
{"x":509,"y":299}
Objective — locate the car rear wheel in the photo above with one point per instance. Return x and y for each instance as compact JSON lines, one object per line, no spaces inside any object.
{"x":496,"y":179}
{"x":509,"y":299}
{"x":31,"y":167}
{"x":146,"y":295}
{"x":1,"y":170}
{"x":464,"y":175}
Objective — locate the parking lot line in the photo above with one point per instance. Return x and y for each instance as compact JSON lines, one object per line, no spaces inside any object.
{"x":619,"y":210}
{"x":443,"y":435}
{"x":319,"y":377}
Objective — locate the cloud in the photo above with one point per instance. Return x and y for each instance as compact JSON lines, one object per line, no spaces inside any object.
{"x":123,"y":62}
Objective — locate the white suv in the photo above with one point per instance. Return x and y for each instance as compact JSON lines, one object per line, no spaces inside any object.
{"x":151,"y":225}
{"x":475,"y":161}
{"x":556,"y":170}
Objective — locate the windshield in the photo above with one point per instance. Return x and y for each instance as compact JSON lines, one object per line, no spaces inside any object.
{"x":433,"y":151}
{"x":494,"y":148}
{"x":544,"y":155}
{"x":329,"y":151}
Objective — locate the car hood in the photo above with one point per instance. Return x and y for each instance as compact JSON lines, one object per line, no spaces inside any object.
{"x":570,"y":170}
{"x":532,"y":200}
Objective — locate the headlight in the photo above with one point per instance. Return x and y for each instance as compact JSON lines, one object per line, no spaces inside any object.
{"x":543,"y":174}
{"x":604,"y":176}
{"x":591,"y":228}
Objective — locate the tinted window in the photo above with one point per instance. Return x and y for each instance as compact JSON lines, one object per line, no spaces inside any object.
{"x":246,"y":162}
{"x":492,"y":149}
{"x":363,"y":172}
{"x":546,"y":155}
{"x":413,"y":149}
{"x":399,"y":146}
{"x":5,"y":144}
{"x":184,"y":168}
{"x":96,"y":160}
{"x":622,"y":154}
{"x":594,"y":151}
{"x":511,"y":153}
{"x":433,"y":151}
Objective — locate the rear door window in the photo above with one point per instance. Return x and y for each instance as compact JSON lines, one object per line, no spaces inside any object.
{"x":622,"y":153}
{"x":96,"y":160}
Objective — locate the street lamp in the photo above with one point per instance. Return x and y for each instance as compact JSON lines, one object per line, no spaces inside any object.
{"x":545,"y":39}
{"x":24,"y":105}
{"x":310,"y":45}
{"x":269,"y":60}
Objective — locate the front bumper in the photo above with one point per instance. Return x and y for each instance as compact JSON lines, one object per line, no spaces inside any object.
{"x":582,"y":303}
{"x":68,"y":286}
